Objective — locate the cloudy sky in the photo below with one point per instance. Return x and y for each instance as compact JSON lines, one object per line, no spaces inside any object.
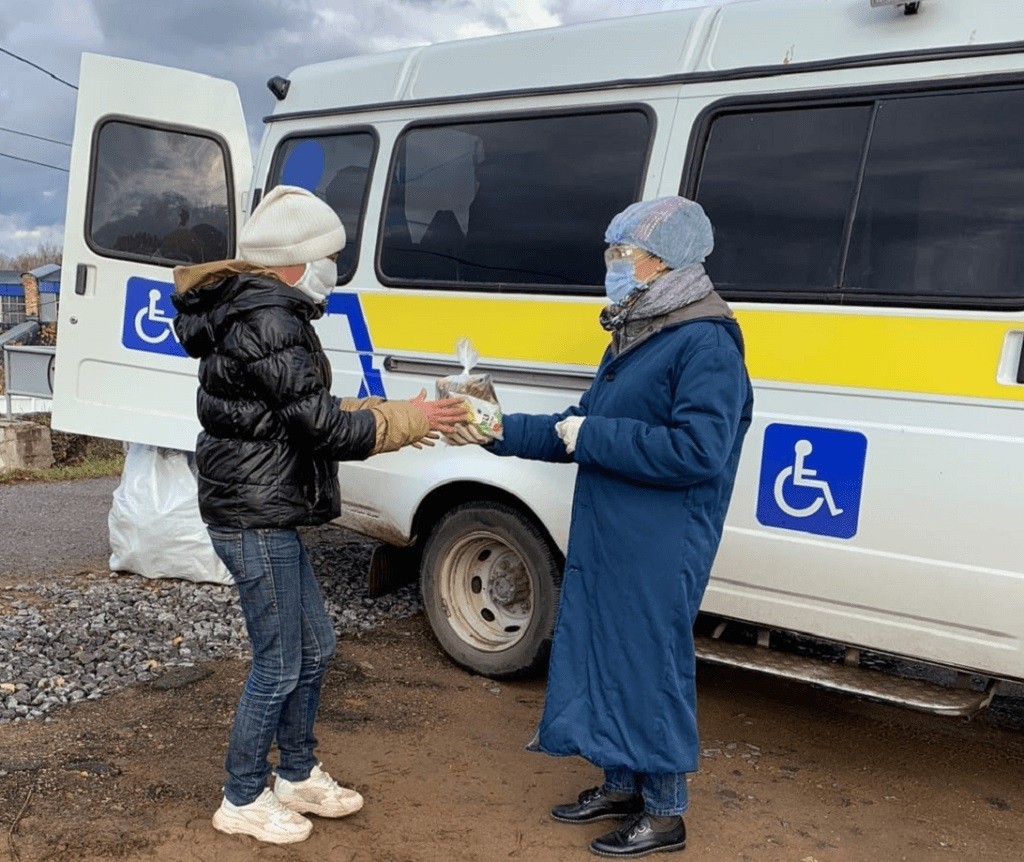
{"x":246,"y":41}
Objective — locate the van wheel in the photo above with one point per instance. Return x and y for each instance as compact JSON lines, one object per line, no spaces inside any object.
{"x":490,"y":583}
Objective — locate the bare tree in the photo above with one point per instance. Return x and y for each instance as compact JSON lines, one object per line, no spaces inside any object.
{"x":47,"y":252}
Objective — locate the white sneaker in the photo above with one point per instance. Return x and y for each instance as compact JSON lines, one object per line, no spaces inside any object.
{"x":319,"y":794}
{"x":265,"y":819}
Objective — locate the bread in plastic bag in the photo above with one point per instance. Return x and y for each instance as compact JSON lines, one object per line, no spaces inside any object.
{"x":477,"y":390}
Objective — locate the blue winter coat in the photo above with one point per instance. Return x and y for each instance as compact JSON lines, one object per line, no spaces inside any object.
{"x":657,"y":456}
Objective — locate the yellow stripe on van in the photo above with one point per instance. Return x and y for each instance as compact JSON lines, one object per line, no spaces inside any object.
{"x":926,"y":355}
{"x":912,"y":353}
{"x":513,"y":328}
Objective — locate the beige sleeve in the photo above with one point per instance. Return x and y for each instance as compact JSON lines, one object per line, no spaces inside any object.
{"x":399,"y":423}
{"x":359,"y":403}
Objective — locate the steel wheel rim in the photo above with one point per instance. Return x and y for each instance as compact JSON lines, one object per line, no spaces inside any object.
{"x":486,"y":591}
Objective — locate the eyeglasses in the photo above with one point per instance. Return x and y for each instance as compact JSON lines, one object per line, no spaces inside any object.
{"x":624,"y":252}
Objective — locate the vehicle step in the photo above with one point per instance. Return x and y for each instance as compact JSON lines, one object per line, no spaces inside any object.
{"x":851,"y":679}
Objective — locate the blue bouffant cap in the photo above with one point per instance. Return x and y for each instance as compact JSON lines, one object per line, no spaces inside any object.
{"x":672,"y":228}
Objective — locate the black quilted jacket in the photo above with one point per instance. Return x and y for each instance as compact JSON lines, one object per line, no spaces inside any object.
{"x":271,"y":430}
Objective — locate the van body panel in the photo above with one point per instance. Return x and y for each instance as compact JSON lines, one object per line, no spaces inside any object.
{"x":533,"y":60}
{"x":374,"y":77}
{"x":791,"y":31}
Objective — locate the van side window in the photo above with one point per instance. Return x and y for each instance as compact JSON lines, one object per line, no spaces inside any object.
{"x":777,"y":186}
{"x":887,"y":199}
{"x":521,"y":202}
{"x":159,"y":195}
{"x":336,"y":168}
{"x":941,"y":210}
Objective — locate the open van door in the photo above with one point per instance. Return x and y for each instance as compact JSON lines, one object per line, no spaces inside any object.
{"x":160,"y":170}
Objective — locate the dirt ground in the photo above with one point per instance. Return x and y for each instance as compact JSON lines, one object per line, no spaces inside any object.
{"x":788,"y":773}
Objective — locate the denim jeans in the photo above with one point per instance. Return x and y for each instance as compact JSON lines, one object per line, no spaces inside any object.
{"x":665,"y":793}
{"x":292,"y":640}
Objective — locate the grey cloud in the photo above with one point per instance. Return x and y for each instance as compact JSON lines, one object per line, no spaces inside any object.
{"x":209,"y":23}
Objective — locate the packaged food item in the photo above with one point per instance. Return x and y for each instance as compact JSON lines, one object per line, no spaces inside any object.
{"x":477,"y":390}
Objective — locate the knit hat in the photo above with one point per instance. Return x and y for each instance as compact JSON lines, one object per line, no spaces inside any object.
{"x":672,"y":228}
{"x":290,"y":226}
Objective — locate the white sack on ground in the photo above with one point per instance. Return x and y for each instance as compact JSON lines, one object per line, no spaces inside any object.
{"x":155,"y":527}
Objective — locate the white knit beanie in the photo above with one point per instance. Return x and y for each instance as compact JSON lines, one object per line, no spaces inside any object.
{"x":290,"y":226}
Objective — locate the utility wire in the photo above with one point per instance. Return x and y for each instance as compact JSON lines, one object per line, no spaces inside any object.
{"x":37,"y":137}
{"x":33,"y":162}
{"x":40,"y":68}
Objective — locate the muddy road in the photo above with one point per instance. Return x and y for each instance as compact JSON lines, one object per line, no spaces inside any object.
{"x":789,"y":773}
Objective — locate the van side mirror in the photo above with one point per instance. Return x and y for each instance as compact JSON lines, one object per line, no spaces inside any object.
{"x":279,"y":87}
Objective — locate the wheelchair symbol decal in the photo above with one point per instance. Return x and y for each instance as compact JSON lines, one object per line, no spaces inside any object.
{"x":149,"y":317}
{"x":811,"y":479}
{"x":803,"y":478}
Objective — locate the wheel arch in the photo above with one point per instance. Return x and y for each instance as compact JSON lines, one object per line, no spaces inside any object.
{"x":446,"y":497}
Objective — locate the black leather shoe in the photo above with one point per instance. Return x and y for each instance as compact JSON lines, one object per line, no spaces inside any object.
{"x":596,"y":804}
{"x":635,"y":838}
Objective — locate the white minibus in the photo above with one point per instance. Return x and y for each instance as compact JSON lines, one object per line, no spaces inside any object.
{"x":862,"y":162}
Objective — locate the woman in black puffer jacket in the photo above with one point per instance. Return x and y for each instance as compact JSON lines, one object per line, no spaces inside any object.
{"x":266,"y":457}
{"x":271,"y":430}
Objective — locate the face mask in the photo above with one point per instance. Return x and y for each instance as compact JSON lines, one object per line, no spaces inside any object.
{"x":318,"y":280}
{"x":620,"y":280}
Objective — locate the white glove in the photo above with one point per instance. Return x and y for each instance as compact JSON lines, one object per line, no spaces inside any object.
{"x":463,"y":435}
{"x":569,"y":429}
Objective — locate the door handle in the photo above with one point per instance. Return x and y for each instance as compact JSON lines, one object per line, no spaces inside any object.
{"x":1011,"y":359}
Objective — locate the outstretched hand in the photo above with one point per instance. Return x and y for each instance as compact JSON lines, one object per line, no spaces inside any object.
{"x":465,"y":435}
{"x":442,"y":415}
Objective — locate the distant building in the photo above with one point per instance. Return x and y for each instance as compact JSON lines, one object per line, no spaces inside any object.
{"x":12,"y":296}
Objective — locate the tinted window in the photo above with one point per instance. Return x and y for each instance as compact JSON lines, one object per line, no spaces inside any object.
{"x":336,"y":168}
{"x":941,"y":211}
{"x":159,"y":194}
{"x":518,"y":201}
{"x":777,"y":186}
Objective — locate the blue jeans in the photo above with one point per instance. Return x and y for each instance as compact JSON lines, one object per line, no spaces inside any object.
{"x":292,"y":640}
{"x":665,"y":793}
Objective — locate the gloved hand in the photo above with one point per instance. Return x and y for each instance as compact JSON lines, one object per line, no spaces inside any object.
{"x":463,"y":435}
{"x":569,"y":429}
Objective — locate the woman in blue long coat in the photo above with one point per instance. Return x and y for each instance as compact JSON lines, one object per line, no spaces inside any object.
{"x":657,"y":439}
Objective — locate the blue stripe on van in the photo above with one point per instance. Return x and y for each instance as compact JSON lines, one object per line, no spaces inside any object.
{"x":348,"y":304}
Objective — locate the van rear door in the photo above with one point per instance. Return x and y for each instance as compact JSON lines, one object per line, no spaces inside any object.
{"x":160,"y":168}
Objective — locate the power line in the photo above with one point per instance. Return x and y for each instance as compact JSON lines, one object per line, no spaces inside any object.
{"x":40,"y":68}
{"x":37,"y":137}
{"x":32,"y":162}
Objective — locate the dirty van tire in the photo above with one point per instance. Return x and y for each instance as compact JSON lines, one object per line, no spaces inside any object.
{"x":490,"y":580}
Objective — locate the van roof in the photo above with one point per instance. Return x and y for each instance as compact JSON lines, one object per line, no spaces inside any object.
{"x":718,"y":37}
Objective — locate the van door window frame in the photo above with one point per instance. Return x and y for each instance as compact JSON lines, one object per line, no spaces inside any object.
{"x":329,"y":132}
{"x":838,"y":97}
{"x":174,"y":128}
{"x":647,"y":110}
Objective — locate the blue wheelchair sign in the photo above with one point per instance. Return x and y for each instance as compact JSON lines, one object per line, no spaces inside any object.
{"x":811,"y":479}
{"x":148,"y":316}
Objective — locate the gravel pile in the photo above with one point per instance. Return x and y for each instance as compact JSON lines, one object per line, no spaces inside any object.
{"x":74,"y":638}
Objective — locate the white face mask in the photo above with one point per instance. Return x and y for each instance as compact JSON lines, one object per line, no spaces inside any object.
{"x":318,"y":280}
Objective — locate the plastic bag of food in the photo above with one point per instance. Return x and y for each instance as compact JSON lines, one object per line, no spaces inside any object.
{"x":154,"y":523}
{"x":477,"y":390}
